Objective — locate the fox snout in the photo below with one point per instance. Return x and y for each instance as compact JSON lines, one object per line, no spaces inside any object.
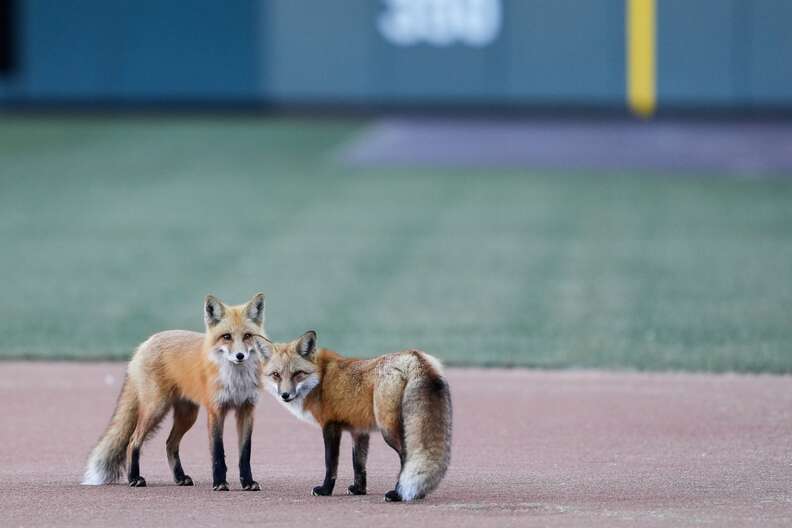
{"x":236,"y":357}
{"x":286,"y":396}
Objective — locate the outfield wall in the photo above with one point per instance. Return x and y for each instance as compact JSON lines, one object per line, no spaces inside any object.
{"x":708,"y":53}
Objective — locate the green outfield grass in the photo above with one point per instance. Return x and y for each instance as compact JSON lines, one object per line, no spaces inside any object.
{"x":113,"y":229}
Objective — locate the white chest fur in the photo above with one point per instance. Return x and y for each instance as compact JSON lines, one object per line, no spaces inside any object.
{"x":297,"y":408}
{"x":239,"y":384}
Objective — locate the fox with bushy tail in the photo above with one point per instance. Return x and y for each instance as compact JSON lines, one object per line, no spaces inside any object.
{"x":404,"y":395}
{"x":180,"y":370}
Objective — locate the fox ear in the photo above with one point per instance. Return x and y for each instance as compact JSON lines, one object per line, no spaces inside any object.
{"x":214,"y":310}
{"x":265,"y":347}
{"x":255,"y":309}
{"x":307,"y":344}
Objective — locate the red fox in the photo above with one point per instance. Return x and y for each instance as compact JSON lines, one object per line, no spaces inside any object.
{"x":403,"y":395}
{"x":182,"y":370}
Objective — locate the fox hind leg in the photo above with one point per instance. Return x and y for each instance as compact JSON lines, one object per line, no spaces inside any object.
{"x":359,"y":456}
{"x":148,"y":420}
{"x":387,"y":411}
{"x":393,"y":436}
{"x":184,"y":416}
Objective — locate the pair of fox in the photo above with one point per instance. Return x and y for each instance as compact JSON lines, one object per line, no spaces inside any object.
{"x":403,"y":395}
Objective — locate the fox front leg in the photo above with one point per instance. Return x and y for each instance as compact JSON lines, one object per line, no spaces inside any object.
{"x":219,"y":469}
{"x":332,"y":441}
{"x":359,"y":456}
{"x":244,"y":416}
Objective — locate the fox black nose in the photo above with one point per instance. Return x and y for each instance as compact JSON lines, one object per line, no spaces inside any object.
{"x":285,"y":396}
{"x":240,"y":356}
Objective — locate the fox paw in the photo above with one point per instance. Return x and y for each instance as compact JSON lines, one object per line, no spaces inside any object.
{"x":321,"y":491}
{"x":220,"y":486}
{"x":184,"y":481}
{"x":251,"y":486}
{"x":355,"y":490}
{"x":393,"y":496}
{"x":138,"y":482}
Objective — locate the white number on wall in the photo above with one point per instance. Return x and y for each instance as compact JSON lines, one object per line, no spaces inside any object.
{"x":441,"y":22}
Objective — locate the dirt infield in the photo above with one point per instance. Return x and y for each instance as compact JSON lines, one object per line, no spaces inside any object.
{"x":728,"y":147}
{"x":530,"y":448}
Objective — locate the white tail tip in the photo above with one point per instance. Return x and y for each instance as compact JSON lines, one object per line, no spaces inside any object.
{"x":93,"y":477}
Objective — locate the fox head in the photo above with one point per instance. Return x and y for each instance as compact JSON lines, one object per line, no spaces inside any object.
{"x":233,"y":332}
{"x":290,"y":371}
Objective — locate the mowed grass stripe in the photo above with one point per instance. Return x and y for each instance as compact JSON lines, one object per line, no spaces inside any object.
{"x":116,"y":228}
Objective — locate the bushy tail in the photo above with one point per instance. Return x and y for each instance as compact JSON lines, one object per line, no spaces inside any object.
{"x":108,"y":458}
{"x":426,"y":415}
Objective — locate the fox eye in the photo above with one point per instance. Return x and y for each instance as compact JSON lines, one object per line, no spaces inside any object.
{"x":276,"y":376}
{"x":247,"y":336}
{"x":299,"y":374}
{"x":226,"y":337}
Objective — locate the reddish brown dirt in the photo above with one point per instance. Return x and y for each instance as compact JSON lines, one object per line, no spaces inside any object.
{"x":530,"y":448}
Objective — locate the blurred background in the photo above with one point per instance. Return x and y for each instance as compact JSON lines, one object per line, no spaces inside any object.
{"x":546,"y":183}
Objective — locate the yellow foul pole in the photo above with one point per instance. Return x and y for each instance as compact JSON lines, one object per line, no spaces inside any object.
{"x":641,"y":56}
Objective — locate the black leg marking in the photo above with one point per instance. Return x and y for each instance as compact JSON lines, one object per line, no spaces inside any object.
{"x":359,"y":456}
{"x":244,"y":419}
{"x":398,"y":446}
{"x":332,"y":441}
{"x":184,"y":415}
{"x":178,"y":473}
{"x":392,"y":496}
{"x":219,"y":469}
{"x":245,"y":473}
{"x":134,"y":478}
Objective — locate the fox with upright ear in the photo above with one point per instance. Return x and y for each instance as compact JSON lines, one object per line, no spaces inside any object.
{"x":181,"y":370}
{"x":403,"y":395}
